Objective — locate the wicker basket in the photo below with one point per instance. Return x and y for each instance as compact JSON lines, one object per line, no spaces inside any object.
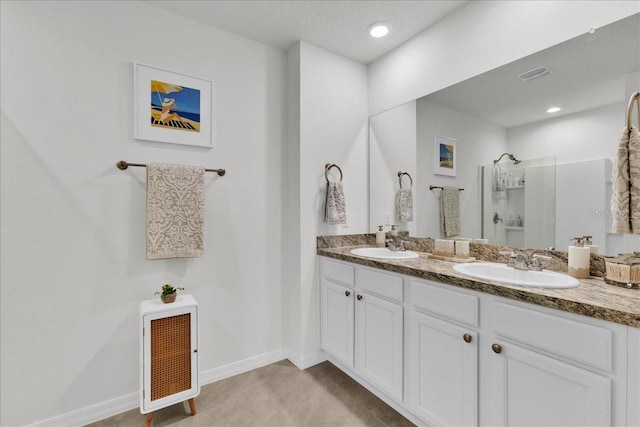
{"x":624,"y":270}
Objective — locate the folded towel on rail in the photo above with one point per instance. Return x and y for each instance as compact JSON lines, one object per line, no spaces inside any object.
{"x":335,"y":207}
{"x":634,"y":180}
{"x":404,"y":200}
{"x":625,"y":178}
{"x":450,"y":211}
{"x":620,"y":196}
{"x":175,"y":211}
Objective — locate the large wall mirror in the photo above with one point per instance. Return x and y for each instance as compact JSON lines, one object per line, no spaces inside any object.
{"x":590,"y":77}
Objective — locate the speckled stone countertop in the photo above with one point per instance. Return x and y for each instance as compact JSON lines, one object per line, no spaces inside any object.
{"x":592,"y":298}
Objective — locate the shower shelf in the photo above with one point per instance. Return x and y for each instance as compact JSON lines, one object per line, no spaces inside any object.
{"x":512,"y":228}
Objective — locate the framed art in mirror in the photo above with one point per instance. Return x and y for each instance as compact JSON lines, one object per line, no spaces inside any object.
{"x":171,"y":107}
{"x":445,"y":151}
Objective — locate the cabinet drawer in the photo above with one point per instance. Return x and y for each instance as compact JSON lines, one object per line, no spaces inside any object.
{"x":338,"y":271}
{"x":448,"y":303}
{"x":383,"y":284}
{"x":585,"y":343}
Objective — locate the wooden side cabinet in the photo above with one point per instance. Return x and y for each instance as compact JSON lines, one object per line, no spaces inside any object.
{"x":168,"y":354}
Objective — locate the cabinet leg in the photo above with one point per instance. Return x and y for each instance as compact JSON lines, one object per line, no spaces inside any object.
{"x":192,"y":406}
{"x":149,"y":418}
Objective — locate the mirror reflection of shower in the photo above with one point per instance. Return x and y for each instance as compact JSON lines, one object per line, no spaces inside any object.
{"x":515,"y":214}
{"x":511,"y":157}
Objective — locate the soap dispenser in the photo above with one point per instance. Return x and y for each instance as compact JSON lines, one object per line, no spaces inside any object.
{"x":588,"y":243}
{"x":579,"y":259}
{"x":393,"y":231}
{"x":381,"y":238}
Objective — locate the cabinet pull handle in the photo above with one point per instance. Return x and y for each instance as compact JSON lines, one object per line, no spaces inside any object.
{"x":467,"y":338}
{"x":347,"y":293}
{"x":497,"y":348}
{"x":359,"y":297}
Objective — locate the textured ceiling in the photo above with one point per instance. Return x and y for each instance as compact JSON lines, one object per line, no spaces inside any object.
{"x":338,"y":26}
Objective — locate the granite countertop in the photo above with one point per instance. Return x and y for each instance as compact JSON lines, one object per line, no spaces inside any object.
{"x":592,"y":298}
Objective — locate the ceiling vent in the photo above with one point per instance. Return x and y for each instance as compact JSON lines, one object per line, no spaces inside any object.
{"x":535,"y":73}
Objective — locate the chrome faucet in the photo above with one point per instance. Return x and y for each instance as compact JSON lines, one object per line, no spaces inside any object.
{"x":395,"y":245}
{"x":521,"y":261}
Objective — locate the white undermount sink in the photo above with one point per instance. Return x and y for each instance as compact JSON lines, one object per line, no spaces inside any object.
{"x":383,"y":253}
{"x":510,"y":276}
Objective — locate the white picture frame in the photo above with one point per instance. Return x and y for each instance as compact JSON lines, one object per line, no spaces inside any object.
{"x":171,"y":107}
{"x":445,"y":155}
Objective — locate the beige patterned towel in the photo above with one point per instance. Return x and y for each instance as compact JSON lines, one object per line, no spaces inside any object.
{"x":175,"y":211}
{"x":404,"y":200}
{"x":620,"y":187}
{"x":625,"y":197}
{"x":450,"y":211}
{"x":634,"y":178}
{"x":335,"y":211}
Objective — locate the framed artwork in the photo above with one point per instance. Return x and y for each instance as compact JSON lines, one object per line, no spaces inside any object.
{"x":445,"y":156}
{"x":171,"y":107}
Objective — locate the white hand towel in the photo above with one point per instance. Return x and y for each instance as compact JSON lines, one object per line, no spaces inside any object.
{"x":404,"y":200}
{"x":175,"y":211}
{"x":335,"y":211}
{"x":450,"y":211}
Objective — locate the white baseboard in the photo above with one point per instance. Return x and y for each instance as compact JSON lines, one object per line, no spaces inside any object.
{"x":307,"y":361}
{"x":116,"y":406}
{"x":241,"y":366}
{"x":93,"y":413}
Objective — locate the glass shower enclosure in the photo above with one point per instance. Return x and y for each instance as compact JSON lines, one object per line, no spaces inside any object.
{"x":519,"y":203}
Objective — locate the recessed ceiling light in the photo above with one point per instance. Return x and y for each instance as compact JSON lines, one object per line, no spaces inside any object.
{"x":554,"y":109}
{"x":378,"y":29}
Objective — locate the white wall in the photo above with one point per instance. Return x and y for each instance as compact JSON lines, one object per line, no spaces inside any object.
{"x":392,"y":148}
{"x":333,"y":129}
{"x":588,"y":135}
{"x":479,"y":142}
{"x":479,"y":37}
{"x":73,"y":242}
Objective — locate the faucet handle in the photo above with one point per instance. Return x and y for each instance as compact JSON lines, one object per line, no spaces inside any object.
{"x":536,"y":265}
{"x":512,"y":257}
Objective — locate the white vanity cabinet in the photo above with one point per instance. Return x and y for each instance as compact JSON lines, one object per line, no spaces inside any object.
{"x":448,"y":356}
{"x":362,"y":322}
{"x":555,"y":368}
{"x":336,"y":300}
{"x":379,"y":330}
{"x":442,"y":347}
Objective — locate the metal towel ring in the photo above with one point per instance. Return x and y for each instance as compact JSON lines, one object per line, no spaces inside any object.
{"x":401,"y":174}
{"x":635,"y":99}
{"x":329,"y":166}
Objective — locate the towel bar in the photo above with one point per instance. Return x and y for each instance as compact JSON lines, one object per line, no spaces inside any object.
{"x":122,"y":165}
{"x":433,"y":187}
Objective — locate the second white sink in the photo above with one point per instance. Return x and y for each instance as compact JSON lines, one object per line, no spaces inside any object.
{"x":510,"y":276}
{"x":383,"y":253}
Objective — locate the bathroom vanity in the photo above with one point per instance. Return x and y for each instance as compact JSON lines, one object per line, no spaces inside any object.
{"x":447,"y":350}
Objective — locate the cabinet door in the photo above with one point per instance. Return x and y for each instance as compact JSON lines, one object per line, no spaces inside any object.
{"x":170,"y":358}
{"x":443,"y":361}
{"x":379,"y":355}
{"x":337,"y":322}
{"x":536,"y":390}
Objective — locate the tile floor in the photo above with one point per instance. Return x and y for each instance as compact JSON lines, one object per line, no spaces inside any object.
{"x":276,"y":395}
